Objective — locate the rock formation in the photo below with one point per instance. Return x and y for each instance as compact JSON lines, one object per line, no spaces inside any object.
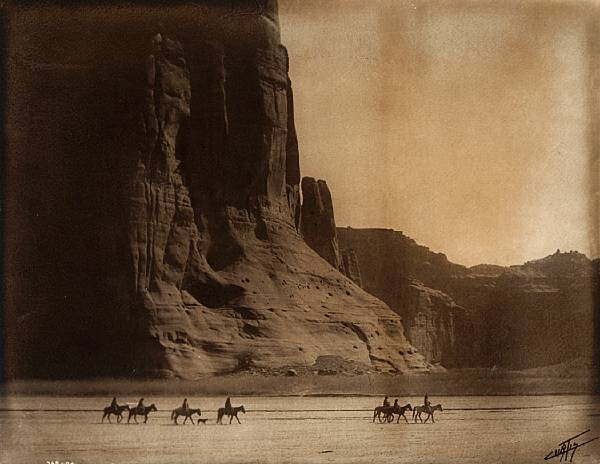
{"x":434,"y":323}
{"x":351,"y":267}
{"x":164,"y":213}
{"x":535,"y":314}
{"x":319,"y":230}
{"x":318,"y":221}
{"x":388,"y":261}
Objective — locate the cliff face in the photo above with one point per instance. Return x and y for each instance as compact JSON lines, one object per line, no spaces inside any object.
{"x":318,"y":221}
{"x":174,"y":186}
{"x":351,"y":267}
{"x":546,"y":308}
{"x":391,"y":267}
{"x":434,"y":323}
{"x":319,"y":230}
{"x":538,"y":313}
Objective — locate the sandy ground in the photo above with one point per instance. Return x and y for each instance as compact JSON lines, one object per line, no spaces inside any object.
{"x":513,"y":429}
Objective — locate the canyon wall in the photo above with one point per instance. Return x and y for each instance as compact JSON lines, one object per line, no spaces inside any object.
{"x":535,"y":314}
{"x":392,"y":266}
{"x":154,"y":196}
{"x":351,"y":266}
{"x":318,"y":221}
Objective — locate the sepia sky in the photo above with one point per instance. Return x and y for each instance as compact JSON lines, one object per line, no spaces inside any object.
{"x":465,"y":125}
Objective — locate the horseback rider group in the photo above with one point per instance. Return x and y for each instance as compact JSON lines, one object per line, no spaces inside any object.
{"x":389,"y":410}
{"x":426,"y":402}
{"x":386,"y":403}
{"x":115,"y":409}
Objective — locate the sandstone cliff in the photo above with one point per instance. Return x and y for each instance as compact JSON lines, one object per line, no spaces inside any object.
{"x":318,"y":221}
{"x":391,"y":267}
{"x":160,"y":195}
{"x":351,"y":266}
{"x":319,"y":230}
{"x":435,"y":324}
{"x":538,"y":313}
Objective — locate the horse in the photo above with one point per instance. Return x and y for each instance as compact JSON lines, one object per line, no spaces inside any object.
{"x":233,"y":412}
{"x":379,"y":410}
{"x":386,"y":413}
{"x":400,"y":410}
{"x":418,"y":410}
{"x":141,"y":411}
{"x":188,"y":413}
{"x":118,"y":411}
{"x":383,"y":413}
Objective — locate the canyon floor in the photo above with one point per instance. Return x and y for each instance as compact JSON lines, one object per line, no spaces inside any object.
{"x":40,"y":429}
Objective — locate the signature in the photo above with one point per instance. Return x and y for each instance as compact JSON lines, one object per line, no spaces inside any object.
{"x":568,"y":446}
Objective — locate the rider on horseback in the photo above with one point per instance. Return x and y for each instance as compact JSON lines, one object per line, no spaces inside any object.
{"x":386,"y":401}
{"x":427,"y":403}
{"x":396,"y":405}
{"x":140,"y":406}
{"x":228,"y":404}
{"x":185,"y":406}
{"x":113,"y":404}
